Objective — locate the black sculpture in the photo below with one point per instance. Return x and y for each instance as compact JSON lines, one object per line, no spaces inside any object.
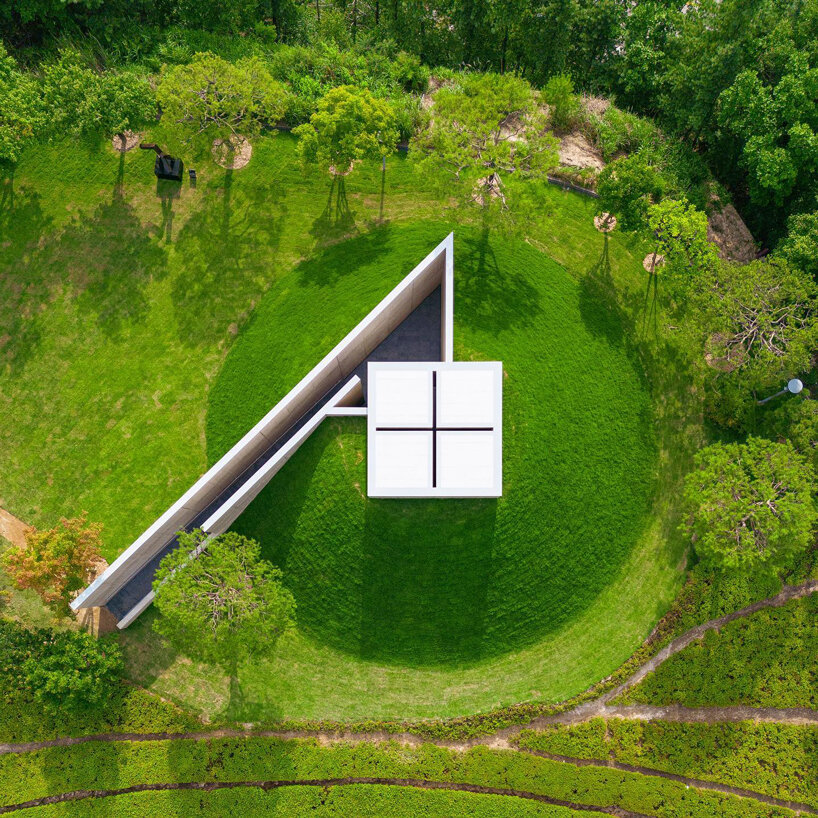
{"x":166,"y":166}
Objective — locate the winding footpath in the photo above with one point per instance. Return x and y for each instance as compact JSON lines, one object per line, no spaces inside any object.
{"x":600,"y":707}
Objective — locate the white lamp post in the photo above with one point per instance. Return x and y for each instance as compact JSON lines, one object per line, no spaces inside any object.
{"x":794,"y":386}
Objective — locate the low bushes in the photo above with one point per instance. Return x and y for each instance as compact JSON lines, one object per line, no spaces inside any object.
{"x":55,"y":683}
{"x":769,"y":659}
{"x":361,"y":801}
{"x":773,"y":759}
{"x":115,"y":765}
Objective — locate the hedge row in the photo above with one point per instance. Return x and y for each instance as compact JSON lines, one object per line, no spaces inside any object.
{"x":773,"y":759}
{"x":360,"y":801}
{"x":99,"y":765}
{"x":769,"y":659}
{"x":703,"y":597}
{"x":129,"y":710}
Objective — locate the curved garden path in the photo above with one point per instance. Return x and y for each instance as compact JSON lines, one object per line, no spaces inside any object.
{"x":599,"y":707}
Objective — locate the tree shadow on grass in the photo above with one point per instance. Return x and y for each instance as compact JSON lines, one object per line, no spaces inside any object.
{"x":343,"y":259}
{"x":489,"y":296}
{"x":337,"y":219}
{"x":22,"y":223}
{"x":227,"y":249}
{"x":104,"y":259}
{"x":597,"y":300}
{"x":115,"y":259}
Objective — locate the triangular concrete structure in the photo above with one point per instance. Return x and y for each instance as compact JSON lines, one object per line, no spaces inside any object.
{"x":413,"y":322}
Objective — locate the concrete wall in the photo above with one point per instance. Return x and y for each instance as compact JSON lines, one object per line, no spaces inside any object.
{"x":436,"y":269}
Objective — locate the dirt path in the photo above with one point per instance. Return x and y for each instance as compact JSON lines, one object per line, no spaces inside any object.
{"x":698,"y":783}
{"x":12,"y":529}
{"x":599,"y":707}
{"x":323,"y":783}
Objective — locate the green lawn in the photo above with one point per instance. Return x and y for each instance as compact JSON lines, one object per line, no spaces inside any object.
{"x":116,"y":321}
{"x":439,"y":608}
{"x":116,"y":312}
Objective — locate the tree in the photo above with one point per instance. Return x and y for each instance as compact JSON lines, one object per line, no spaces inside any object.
{"x":57,"y":562}
{"x":681,"y":236}
{"x":211,"y":98}
{"x":78,"y":99}
{"x":800,"y":247}
{"x":219,"y":601}
{"x":484,"y":130}
{"x":350,"y":124}
{"x":758,"y":324}
{"x":71,"y":671}
{"x":750,"y":504}
{"x":20,"y":109}
{"x":776,"y":128}
{"x":627,"y":188}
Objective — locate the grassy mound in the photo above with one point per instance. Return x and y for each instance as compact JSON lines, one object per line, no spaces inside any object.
{"x":443,"y":582}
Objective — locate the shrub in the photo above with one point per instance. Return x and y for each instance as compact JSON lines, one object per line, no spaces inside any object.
{"x":559,"y":94}
{"x":410,"y":73}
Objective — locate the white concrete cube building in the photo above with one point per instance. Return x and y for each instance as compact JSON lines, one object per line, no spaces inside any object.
{"x":435,"y":429}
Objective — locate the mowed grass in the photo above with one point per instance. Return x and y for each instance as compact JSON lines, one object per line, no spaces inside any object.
{"x":117,"y":305}
{"x":117,"y":309}
{"x":440,"y":608}
{"x":450,"y":582}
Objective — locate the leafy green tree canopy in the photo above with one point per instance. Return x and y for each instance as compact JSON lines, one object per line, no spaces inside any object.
{"x":483,"y":130}
{"x":628,"y":186}
{"x":350,"y":124}
{"x":559,"y":94}
{"x":21,"y":110}
{"x":219,"y":600}
{"x":71,"y":671}
{"x":758,"y":326}
{"x":750,"y":504}
{"x":210,"y":97}
{"x":800,"y":247}
{"x":776,"y":125}
{"x":681,"y":235}
{"x":80,"y":100}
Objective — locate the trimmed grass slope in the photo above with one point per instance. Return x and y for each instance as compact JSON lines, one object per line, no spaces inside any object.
{"x":427,"y":582}
{"x":432,"y":609}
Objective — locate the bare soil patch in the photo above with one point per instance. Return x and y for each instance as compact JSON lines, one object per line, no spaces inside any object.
{"x":577,"y":152}
{"x":126,"y":141}
{"x":12,"y":529}
{"x":596,"y":105}
{"x":726,"y":229}
{"x":652,"y":261}
{"x":605,"y":222}
{"x":232,"y":153}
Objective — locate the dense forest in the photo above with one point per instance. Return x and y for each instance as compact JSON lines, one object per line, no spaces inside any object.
{"x":736,"y":81}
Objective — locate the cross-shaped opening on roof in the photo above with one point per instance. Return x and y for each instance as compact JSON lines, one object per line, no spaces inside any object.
{"x":435,"y":429}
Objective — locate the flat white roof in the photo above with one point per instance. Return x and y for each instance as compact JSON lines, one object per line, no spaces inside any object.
{"x":435,"y":429}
